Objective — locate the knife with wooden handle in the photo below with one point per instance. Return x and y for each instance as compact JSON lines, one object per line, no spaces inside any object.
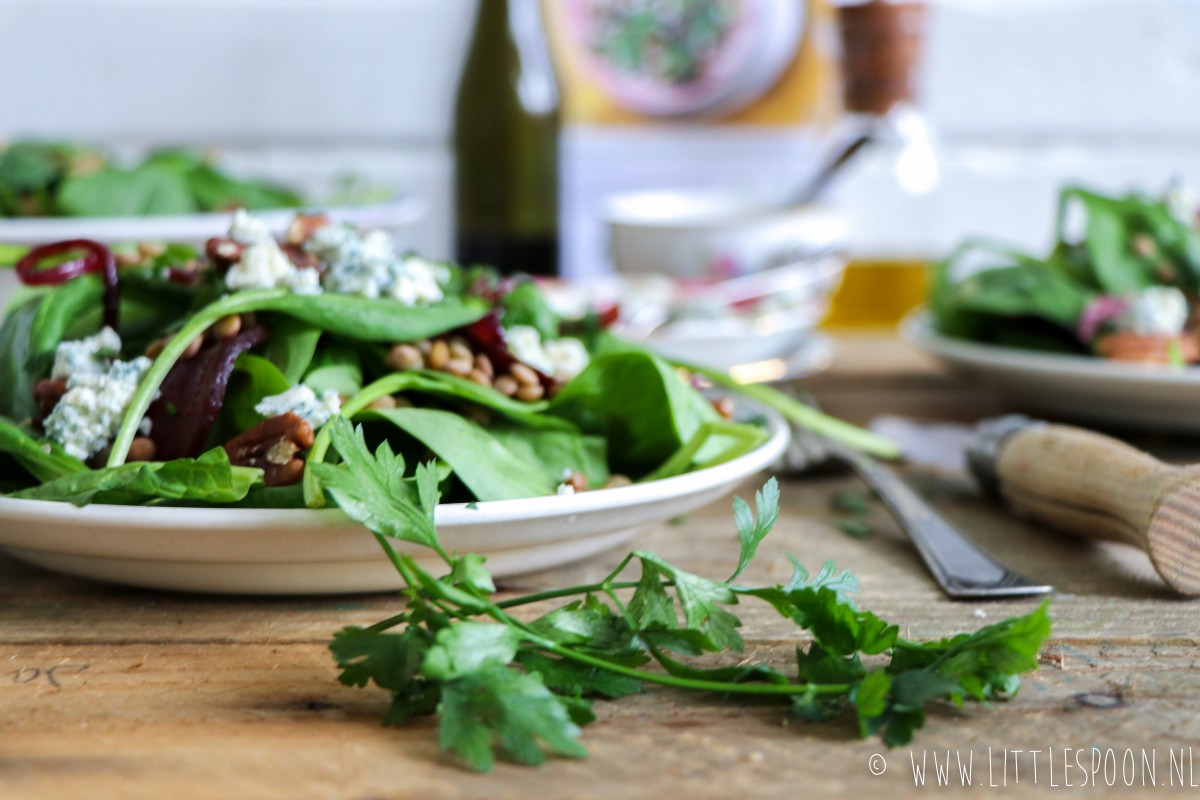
{"x":1094,"y":486}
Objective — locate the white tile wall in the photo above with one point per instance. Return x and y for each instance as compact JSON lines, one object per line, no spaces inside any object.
{"x":1024,"y":93}
{"x":296,"y":88}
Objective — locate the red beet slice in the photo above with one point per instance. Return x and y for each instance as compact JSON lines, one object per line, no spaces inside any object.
{"x":192,"y":395}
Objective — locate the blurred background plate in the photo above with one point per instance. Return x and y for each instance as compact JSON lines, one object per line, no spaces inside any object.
{"x":1095,"y":390}
{"x":196,"y":228}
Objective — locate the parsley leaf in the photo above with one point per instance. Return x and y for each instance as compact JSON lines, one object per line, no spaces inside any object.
{"x":752,"y":531}
{"x":469,"y":647}
{"x":521,"y":689}
{"x":497,"y":707}
{"x":372,"y":488}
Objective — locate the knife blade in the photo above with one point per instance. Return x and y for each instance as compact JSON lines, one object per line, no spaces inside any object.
{"x":1074,"y":480}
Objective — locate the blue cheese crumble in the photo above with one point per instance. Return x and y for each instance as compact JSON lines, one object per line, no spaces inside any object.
{"x":561,"y":359}
{"x":264,"y":265}
{"x":1157,"y":311}
{"x":362,"y":264}
{"x":88,"y":356}
{"x":99,"y":389}
{"x":367,"y":265}
{"x":303,"y":402}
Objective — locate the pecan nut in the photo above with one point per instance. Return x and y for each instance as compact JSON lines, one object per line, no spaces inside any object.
{"x":303,"y":226}
{"x":274,"y":446}
{"x":46,"y":393}
{"x":223,"y":252}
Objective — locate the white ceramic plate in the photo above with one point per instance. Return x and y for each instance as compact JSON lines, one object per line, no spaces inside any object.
{"x":297,"y":551}
{"x":195,"y":227}
{"x":1149,"y":396}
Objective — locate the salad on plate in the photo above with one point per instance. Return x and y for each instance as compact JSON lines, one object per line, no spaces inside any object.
{"x":176,"y":375}
{"x":1122,"y":282}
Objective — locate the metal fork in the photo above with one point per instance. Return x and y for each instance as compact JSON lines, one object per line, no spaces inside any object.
{"x":958,"y":565}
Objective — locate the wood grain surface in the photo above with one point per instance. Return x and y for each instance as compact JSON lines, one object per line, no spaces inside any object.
{"x":108,"y":692}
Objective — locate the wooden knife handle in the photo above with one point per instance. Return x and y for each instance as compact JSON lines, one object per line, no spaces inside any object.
{"x":1095,"y":486}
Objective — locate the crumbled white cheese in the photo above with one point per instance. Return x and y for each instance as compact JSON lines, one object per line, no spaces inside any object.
{"x":303,"y":402}
{"x":304,"y":281}
{"x":567,"y":356}
{"x":562,"y":359}
{"x":98,"y":393}
{"x":565,"y":488}
{"x":264,"y":265}
{"x":247,"y":230}
{"x":419,"y":282}
{"x":1157,"y":311}
{"x":85,"y":356}
{"x":525,"y":343}
{"x":367,"y":265}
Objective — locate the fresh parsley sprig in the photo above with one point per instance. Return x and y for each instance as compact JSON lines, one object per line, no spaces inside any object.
{"x":522,"y":688}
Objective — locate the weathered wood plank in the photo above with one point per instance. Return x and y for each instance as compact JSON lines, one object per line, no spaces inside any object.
{"x":108,"y":692}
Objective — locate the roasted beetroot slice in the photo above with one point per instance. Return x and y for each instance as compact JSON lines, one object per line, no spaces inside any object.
{"x":487,"y":335}
{"x":192,"y":395}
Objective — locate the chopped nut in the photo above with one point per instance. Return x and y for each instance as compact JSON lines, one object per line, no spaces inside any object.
{"x":158,"y":345}
{"x":46,"y":393}
{"x":303,"y":226}
{"x":439,"y":354}
{"x":151,"y":249}
{"x":382,"y":403}
{"x":126,"y":259}
{"x":484,"y":365}
{"x":577,"y":481}
{"x":223,"y":252}
{"x":506,"y":385}
{"x":525,"y":375}
{"x":459,"y":350}
{"x":273,"y":446}
{"x":531,"y":394}
{"x":403,"y":357}
{"x":142,"y":448}
{"x":617,"y":480}
{"x":227,"y":326}
{"x":724,"y":407}
{"x":461,"y":367}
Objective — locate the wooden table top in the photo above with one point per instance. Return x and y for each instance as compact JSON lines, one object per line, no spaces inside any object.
{"x":108,"y":692}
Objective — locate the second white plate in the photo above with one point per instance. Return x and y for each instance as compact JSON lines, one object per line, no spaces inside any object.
{"x":1145,"y":396}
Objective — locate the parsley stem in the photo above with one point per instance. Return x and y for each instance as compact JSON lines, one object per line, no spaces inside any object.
{"x":570,"y":591}
{"x":721,"y":687}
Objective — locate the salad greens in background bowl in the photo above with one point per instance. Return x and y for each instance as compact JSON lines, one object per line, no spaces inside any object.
{"x":263,"y":376}
{"x":50,"y":191}
{"x":1105,"y":327}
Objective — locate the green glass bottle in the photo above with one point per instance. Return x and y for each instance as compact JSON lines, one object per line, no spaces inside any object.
{"x":506,"y":130}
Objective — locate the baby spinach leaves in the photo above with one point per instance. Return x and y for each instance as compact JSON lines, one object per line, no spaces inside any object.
{"x":210,"y":478}
{"x":638,"y":404}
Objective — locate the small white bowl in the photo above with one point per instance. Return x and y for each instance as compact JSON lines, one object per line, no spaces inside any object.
{"x":752,"y":281}
{"x":714,"y":235}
